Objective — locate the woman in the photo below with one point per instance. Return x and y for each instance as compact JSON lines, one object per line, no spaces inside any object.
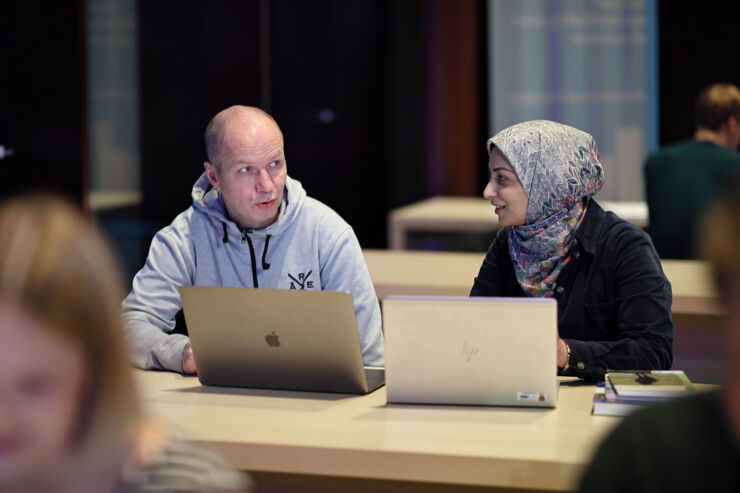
{"x":69,"y":413}
{"x":614,"y":302}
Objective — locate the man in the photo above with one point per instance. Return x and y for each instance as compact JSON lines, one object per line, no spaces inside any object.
{"x":254,"y":228}
{"x":691,"y":443}
{"x":682,"y":179}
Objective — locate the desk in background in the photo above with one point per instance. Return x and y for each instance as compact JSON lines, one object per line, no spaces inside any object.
{"x":326,"y":435}
{"x":452,"y":274}
{"x":696,"y":311}
{"x":103,"y":200}
{"x":473,"y":215}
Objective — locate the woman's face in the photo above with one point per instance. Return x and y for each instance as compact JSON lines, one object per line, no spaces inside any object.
{"x":505,"y":191}
{"x":41,"y":382}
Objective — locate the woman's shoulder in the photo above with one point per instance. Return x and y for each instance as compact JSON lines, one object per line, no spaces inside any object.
{"x":499,"y":247}
{"x":618,"y":233}
{"x":502,"y":238}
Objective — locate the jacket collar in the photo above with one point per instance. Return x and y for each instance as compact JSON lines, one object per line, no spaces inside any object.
{"x":589,"y":232}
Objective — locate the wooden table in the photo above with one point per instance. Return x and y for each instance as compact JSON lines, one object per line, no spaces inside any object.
{"x":329,"y":435}
{"x":101,"y":200}
{"x":452,"y":274}
{"x":473,"y":215}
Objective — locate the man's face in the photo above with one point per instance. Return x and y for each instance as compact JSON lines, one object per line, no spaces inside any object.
{"x":250,"y":172}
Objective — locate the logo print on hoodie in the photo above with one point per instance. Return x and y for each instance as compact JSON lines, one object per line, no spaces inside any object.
{"x":302,"y":281}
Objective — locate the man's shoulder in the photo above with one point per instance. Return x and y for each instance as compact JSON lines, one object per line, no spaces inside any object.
{"x":679,"y":413}
{"x":673,"y":151}
{"x":184,"y":223}
{"x":318,"y":212}
{"x":689,"y":151}
{"x":675,"y":422}
{"x":662,"y":446}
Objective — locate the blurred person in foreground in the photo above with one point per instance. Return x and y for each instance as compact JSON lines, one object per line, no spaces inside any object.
{"x":70,"y":419}
{"x":691,"y":443}
{"x":681,"y":180}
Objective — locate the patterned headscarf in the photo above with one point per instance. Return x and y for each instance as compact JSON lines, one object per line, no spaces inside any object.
{"x":559,"y":168}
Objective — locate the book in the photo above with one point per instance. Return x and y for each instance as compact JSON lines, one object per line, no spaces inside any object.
{"x":624,"y":392}
{"x":607,"y":403}
{"x":648,"y":384}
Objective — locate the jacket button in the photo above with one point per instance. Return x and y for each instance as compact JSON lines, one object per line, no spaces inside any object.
{"x":560,"y":290}
{"x":575,"y":241}
{"x":577,"y":254}
{"x":581,"y":365}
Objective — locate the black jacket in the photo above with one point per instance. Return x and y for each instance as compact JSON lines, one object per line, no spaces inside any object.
{"x":614,"y":302}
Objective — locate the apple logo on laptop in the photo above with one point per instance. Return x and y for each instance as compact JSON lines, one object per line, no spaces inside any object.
{"x":273,"y":340}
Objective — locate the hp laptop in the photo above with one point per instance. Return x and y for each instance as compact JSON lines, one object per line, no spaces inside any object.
{"x":276,"y":339}
{"x":481,"y":351}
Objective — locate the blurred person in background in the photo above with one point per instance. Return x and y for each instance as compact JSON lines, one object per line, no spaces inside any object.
{"x":691,"y":443}
{"x":614,"y":302}
{"x":70,"y":419}
{"x":682,"y":180}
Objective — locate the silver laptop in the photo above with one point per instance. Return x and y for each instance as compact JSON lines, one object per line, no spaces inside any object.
{"x":482,"y":351}
{"x":276,"y":339}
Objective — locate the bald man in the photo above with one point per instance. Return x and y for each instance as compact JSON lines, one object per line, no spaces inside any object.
{"x":250,"y":225}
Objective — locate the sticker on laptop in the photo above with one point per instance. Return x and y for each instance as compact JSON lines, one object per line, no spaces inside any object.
{"x":531,"y":397}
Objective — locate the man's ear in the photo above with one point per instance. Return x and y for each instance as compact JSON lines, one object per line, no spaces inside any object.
{"x":729,"y":129}
{"x":211,"y":173}
{"x":729,"y":125}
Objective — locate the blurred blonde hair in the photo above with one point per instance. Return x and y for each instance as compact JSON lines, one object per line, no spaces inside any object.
{"x":720,"y":238}
{"x":56,"y":266}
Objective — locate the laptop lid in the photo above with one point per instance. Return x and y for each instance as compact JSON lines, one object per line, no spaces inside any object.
{"x":484,"y":351}
{"x":276,"y":339}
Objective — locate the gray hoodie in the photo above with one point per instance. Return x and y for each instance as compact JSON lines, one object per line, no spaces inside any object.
{"x":308,"y":247}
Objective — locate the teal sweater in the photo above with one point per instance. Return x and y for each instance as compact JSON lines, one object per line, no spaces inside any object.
{"x":682,"y":180}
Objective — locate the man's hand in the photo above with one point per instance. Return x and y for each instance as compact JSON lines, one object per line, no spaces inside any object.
{"x":562,"y":353}
{"x":188,"y":360}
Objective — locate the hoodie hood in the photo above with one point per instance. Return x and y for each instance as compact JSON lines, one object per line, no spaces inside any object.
{"x":208,"y":200}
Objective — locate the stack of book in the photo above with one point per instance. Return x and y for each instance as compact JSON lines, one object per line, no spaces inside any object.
{"x":623,"y":392}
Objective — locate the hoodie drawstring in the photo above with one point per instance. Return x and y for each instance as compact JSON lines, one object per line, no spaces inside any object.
{"x":226,"y":235}
{"x":255,"y":282}
{"x":265,"y":265}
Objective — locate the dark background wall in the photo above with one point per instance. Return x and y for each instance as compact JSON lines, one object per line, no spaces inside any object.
{"x":382,"y":102}
{"x":379,"y":101}
{"x":42,"y":97}
{"x":323,"y":55}
{"x":196,"y":58}
{"x":697,"y":46}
